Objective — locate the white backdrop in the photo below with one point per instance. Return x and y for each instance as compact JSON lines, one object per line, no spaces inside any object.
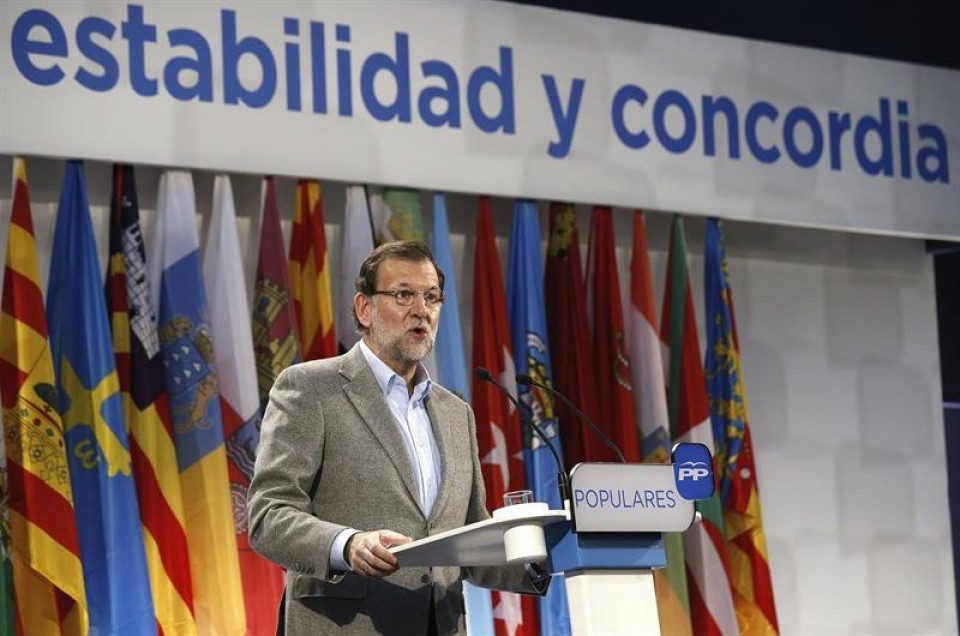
{"x":840,"y":356}
{"x":548,"y":104}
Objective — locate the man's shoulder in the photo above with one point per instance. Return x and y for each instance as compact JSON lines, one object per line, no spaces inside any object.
{"x":447,"y":396}
{"x":315,"y":370}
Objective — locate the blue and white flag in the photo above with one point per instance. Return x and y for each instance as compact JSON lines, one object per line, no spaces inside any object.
{"x":91,"y":405}
{"x":451,"y":372}
{"x":531,"y":352}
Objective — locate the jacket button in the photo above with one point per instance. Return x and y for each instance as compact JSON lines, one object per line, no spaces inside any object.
{"x":424,"y":578}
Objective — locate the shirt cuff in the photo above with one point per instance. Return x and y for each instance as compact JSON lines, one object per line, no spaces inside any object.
{"x":337,"y":562}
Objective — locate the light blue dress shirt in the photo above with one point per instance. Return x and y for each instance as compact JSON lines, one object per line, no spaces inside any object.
{"x":410,"y":416}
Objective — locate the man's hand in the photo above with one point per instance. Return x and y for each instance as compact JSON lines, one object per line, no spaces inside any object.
{"x":367,"y":552}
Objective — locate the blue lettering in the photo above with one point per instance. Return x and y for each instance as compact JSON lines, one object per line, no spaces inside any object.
{"x":578,"y":497}
{"x":838,"y":124}
{"x":201,"y":64}
{"x":764,"y":110}
{"x":449,"y":93}
{"x":637,"y":499}
{"x":595,"y":498}
{"x":107,"y":79}
{"x":291,"y":51}
{"x":234,"y":91}
{"x":671,"y":500}
{"x":711,"y":107}
{"x":650,"y":499}
{"x":936,"y":154}
{"x":677,"y":99}
{"x":502,"y":82}
{"x":904,"y":134}
{"x":318,"y":65}
{"x":565,"y":123}
{"x":623,"y":96}
{"x":137,"y":34}
{"x":881,"y":128}
{"x":604,"y":497}
{"x":399,"y":68}
{"x":794,"y":117}
{"x":23,"y":47}
{"x":344,"y":92}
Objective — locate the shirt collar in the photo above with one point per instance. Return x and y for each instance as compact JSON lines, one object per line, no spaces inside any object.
{"x":386,"y":377}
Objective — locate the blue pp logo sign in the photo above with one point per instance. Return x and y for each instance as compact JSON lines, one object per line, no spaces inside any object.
{"x":693,"y":471}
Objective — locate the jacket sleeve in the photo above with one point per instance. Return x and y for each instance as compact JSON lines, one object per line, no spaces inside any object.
{"x":283,"y":526}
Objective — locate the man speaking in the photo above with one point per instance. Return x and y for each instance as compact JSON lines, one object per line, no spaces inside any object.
{"x":363,"y":452}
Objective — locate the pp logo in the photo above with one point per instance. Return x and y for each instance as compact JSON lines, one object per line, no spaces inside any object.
{"x":693,"y":471}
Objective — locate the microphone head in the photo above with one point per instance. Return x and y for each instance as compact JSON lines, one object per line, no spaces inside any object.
{"x":523,"y":378}
{"x":482,"y":374}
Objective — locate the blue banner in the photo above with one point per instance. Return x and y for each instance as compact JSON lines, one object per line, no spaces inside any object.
{"x":105,"y":499}
{"x":528,"y":329}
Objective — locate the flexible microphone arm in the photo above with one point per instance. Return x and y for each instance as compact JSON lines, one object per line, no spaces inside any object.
{"x":523,"y":378}
{"x":563,"y":483}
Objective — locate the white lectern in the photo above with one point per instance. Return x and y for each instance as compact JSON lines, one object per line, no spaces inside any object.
{"x":606,"y":543}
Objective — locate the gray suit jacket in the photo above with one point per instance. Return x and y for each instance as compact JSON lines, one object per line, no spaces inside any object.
{"x":331,"y":458}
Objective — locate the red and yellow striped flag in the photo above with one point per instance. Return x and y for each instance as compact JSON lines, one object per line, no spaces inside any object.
{"x":147,"y":410}
{"x":48,"y":579}
{"x":310,"y":274}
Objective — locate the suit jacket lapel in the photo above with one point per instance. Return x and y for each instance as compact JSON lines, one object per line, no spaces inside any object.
{"x":377,"y":416}
{"x":439,"y":421}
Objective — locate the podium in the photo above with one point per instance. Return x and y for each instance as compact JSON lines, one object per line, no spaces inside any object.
{"x":606,"y":543}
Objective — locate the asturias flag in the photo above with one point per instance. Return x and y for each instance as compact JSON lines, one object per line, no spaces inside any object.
{"x":528,"y":325}
{"x":140,"y":371}
{"x":186,"y":344}
{"x":49,"y":596}
{"x":91,"y":405}
{"x":747,"y":545}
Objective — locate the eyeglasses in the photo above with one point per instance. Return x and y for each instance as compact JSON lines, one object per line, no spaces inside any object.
{"x":405,"y":297}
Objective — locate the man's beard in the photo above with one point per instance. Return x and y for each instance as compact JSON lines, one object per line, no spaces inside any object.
{"x":399,"y":352}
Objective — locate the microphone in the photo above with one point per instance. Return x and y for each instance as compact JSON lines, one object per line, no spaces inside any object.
{"x":523,"y":378}
{"x":563,"y":483}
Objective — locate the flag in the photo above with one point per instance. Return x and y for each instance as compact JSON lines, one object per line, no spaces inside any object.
{"x":498,"y":423}
{"x":274,"y":323}
{"x":230,"y":328}
{"x":186,"y":346}
{"x":397,"y":215}
{"x":573,"y":365}
{"x":614,"y":393}
{"x":105,"y":499}
{"x":528,"y":325}
{"x":451,"y":372}
{"x":739,"y":495}
{"x":147,"y":409}
{"x":44,"y":548}
{"x":451,"y":364}
{"x":650,"y":405}
{"x":704,"y":546}
{"x":8,"y":619}
{"x":310,"y":274}
{"x":357,"y":244}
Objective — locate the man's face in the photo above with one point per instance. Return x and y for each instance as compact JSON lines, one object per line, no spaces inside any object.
{"x":401,"y":336}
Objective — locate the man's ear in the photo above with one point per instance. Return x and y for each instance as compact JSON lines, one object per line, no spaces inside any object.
{"x":362,"y":305}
